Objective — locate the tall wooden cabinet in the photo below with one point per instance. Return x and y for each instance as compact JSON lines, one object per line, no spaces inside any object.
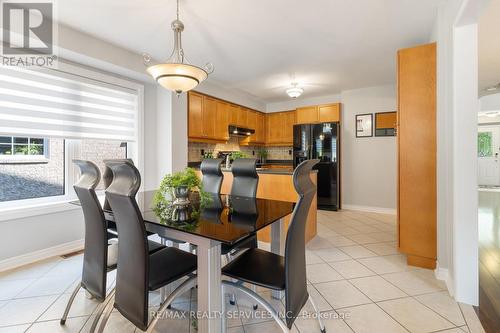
{"x":417,"y":154}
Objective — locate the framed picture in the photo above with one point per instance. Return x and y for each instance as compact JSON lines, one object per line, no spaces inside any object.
{"x":364,"y":125}
{"x":385,"y":123}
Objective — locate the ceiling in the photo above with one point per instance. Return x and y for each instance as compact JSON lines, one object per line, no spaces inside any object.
{"x":489,"y":47}
{"x":259,"y":46}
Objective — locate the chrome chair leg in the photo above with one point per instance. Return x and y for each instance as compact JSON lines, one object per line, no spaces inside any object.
{"x":70,"y":302}
{"x":182,"y":288}
{"x":109,"y":309}
{"x":254,"y":289}
{"x":258,"y":299}
{"x":101,"y":309}
{"x":318,"y":314}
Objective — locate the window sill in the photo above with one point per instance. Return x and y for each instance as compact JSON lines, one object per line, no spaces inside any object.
{"x":20,"y":160}
{"x":25,"y":211}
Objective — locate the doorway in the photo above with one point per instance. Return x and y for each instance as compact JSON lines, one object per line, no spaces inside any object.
{"x":488,"y":150}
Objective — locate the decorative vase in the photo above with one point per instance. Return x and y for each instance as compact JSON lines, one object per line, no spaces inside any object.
{"x":181,"y":204}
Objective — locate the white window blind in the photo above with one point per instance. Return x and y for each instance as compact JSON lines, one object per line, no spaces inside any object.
{"x":51,"y":103}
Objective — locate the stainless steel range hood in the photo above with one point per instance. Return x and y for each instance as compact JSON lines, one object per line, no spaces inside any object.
{"x":240,"y":131}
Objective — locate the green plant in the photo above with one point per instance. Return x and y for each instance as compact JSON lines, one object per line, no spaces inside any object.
{"x":237,"y":154}
{"x":164,"y":196}
{"x":262,"y":153}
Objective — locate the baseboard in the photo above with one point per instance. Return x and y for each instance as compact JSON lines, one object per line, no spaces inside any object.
{"x":444,"y":275}
{"x":380,"y":210}
{"x":32,"y":257}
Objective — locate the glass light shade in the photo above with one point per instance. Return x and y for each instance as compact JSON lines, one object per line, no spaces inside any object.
{"x":294,"y":92}
{"x":177,"y":77}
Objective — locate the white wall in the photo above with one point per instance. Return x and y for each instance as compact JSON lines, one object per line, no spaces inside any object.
{"x":490,"y":102}
{"x":369,"y":165}
{"x":456,"y":36}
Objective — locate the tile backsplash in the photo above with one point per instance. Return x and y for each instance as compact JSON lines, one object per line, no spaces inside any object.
{"x":274,"y":153}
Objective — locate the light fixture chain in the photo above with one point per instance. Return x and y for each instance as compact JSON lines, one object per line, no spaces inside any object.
{"x":177,"y":9}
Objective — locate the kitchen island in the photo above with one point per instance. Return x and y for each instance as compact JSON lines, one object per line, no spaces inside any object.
{"x":277,"y":184}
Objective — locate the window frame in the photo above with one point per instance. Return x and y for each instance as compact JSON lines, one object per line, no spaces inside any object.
{"x":35,"y":158}
{"x":16,"y":209}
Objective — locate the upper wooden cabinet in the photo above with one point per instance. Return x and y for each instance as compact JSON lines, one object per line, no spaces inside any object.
{"x":233,"y":111}
{"x":416,"y":135}
{"x":329,"y":113}
{"x":307,"y":115}
{"x":318,"y":114}
{"x":279,"y":128}
{"x":195,"y":115}
{"x":242,"y":120}
{"x":207,"y":118}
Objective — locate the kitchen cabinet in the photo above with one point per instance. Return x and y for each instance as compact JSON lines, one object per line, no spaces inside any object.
{"x":307,"y":115}
{"x":222,"y":121}
{"x":195,"y":115}
{"x":329,"y":113}
{"x":255,"y":121}
{"x":416,"y":136}
{"x":279,"y":128}
{"x":242,"y":120}
{"x":207,"y":119}
{"x":318,"y":114}
{"x":260,"y":131}
{"x":233,"y":111}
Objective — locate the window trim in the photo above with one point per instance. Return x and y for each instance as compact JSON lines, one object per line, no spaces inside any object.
{"x":26,"y":158}
{"x":18,"y":209}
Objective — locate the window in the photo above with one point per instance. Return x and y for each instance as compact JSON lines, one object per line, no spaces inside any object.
{"x":484,"y":144}
{"x":50,"y":117}
{"x":23,"y":177}
{"x":22,"y":146}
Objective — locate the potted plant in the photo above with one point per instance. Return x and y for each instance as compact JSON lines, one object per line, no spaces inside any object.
{"x":175,"y":190}
{"x":262,"y":154}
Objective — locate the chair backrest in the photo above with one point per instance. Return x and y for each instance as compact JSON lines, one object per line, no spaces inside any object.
{"x":95,"y":253}
{"x":244,"y":212}
{"x":132,"y":276}
{"x":245,"y":177}
{"x":107,"y":176}
{"x":295,"y":247}
{"x":212,"y":174}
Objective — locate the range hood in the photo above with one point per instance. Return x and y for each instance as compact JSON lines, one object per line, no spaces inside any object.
{"x":240,"y":131}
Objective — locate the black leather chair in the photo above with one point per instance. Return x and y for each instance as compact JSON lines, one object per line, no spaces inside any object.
{"x":212,"y":175}
{"x":99,"y":256}
{"x":139,"y":272}
{"x":245,"y":177}
{"x":107,"y":178}
{"x":273,"y":271}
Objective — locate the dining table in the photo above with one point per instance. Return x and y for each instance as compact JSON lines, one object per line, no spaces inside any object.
{"x":223,"y":219}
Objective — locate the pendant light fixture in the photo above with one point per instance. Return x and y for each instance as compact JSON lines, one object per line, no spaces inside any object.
{"x":294,"y":91}
{"x":177,"y":74}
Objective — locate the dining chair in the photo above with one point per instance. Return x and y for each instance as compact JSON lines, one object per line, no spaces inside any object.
{"x":212,"y":175}
{"x":107,"y":177}
{"x":245,"y":177}
{"x":283,"y":273}
{"x":245,"y":182}
{"x":139,"y":272}
{"x":99,"y":254}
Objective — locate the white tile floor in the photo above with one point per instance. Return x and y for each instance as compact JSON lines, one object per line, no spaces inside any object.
{"x":355,"y":273}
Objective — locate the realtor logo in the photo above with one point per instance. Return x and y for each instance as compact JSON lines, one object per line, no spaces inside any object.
{"x":28,"y":29}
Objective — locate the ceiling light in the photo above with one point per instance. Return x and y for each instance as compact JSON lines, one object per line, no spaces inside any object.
{"x":177,"y":74}
{"x":294,"y":91}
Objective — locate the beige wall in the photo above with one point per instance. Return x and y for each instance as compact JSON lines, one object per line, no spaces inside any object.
{"x":368,"y":164}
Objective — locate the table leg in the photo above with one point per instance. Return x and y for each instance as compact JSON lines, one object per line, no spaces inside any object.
{"x":209,"y":287}
{"x":278,"y":247}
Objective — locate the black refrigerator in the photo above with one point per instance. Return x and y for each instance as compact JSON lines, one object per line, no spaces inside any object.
{"x":321,"y":141}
